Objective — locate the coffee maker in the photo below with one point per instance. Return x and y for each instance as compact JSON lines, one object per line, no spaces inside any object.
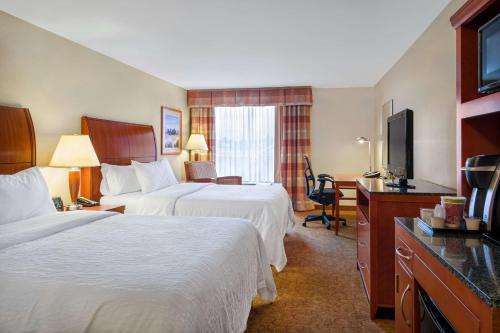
{"x":483,"y":175}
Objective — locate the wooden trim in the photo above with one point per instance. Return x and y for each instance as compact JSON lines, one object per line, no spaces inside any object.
{"x":163,"y":109}
{"x":469,"y":11}
{"x":17,"y":140}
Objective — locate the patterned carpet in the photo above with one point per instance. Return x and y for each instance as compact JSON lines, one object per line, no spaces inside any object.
{"x":320,"y":289}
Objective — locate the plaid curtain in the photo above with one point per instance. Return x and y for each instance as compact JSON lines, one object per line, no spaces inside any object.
{"x":295,"y":143}
{"x":203,"y":122}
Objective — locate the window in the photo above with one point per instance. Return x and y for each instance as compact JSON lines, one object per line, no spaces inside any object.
{"x":244,"y":142}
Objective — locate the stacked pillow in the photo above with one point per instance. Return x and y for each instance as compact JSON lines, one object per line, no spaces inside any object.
{"x":24,"y":195}
{"x":154,"y":175}
{"x":146,"y":177}
{"x":118,"y":179}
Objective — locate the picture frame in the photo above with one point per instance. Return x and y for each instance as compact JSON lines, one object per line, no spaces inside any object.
{"x":171,"y":131}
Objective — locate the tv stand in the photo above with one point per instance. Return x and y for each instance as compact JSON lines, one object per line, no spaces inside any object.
{"x":377,"y":205}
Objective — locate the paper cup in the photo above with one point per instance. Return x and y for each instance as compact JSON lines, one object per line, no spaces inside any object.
{"x":454,"y":207}
{"x":426,"y":214}
{"x":472,"y":223}
{"x":437,"y":222}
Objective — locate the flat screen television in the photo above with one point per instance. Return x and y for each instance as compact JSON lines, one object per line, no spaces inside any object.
{"x":489,"y":56}
{"x":400,"y":143}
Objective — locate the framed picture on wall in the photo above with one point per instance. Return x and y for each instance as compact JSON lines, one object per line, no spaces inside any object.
{"x":171,"y":131}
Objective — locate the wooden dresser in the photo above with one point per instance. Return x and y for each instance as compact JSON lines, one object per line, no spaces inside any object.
{"x":377,"y":205}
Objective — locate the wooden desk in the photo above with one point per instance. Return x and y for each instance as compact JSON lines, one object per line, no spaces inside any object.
{"x":342,"y":181}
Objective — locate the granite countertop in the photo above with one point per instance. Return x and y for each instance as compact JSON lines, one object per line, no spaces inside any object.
{"x":471,"y":259}
{"x":422,"y":187}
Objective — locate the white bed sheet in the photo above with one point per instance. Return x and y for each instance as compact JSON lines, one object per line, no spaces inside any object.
{"x":41,"y":226}
{"x":130,"y":200}
{"x":128,"y":273}
{"x":267,"y":206}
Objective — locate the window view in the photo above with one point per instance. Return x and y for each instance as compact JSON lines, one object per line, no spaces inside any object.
{"x":245,"y":142}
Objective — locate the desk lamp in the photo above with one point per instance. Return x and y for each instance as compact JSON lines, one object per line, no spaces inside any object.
{"x":361,"y":140}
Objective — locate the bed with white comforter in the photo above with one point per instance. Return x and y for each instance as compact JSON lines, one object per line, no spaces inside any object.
{"x":267,"y":206}
{"x":99,"y":272}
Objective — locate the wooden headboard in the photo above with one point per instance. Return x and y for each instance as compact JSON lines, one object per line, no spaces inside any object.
{"x":115,"y":143}
{"x":17,"y":140}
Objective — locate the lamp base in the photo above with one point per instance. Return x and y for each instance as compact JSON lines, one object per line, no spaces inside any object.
{"x":74,"y":184}
{"x":196,"y":156}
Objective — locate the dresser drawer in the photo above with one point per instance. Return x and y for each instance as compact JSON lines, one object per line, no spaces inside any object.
{"x":404,"y":254}
{"x":363,"y":238}
{"x":364,"y":269}
{"x":363,"y":249}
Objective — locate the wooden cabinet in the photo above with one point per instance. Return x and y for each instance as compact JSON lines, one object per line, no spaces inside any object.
{"x":404,"y":299}
{"x":377,"y":205}
{"x":478,"y":115}
{"x":417,"y":269}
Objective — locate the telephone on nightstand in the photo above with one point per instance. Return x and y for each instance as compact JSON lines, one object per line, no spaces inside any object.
{"x":86,"y":202}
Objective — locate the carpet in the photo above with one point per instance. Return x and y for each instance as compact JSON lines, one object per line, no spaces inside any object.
{"x":320,"y":289}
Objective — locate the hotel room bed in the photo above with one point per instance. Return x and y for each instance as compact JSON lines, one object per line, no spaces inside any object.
{"x":87,"y":271}
{"x":92,"y":272}
{"x":266,"y":206}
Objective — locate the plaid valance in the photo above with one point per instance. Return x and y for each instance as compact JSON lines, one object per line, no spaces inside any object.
{"x":251,"y":96}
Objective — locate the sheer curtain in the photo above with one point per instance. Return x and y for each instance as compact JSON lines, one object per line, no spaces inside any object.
{"x":245,"y":142}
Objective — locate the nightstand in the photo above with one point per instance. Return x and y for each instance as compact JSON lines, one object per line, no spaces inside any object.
{"x":106,"y":208}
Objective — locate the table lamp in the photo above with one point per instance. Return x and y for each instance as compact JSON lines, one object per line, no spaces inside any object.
{"x":74,"y":152}
{"x":197,"y":143}
{"x":361,"y":140}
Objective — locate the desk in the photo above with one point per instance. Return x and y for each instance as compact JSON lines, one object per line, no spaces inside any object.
{"x":342,"y":181}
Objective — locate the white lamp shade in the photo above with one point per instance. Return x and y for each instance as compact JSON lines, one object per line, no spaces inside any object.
{"x":196,"y":142}
{"x":74,"y":151}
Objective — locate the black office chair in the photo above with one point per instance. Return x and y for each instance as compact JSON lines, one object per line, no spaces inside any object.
{"x":322,"y":195}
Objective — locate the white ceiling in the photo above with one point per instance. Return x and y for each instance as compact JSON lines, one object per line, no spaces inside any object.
{"x":242,"y":43}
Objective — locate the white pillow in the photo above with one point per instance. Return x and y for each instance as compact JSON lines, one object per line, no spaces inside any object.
{"x":155,"y":175}
{"x":24,"y":195}
{"x":118,"y":179}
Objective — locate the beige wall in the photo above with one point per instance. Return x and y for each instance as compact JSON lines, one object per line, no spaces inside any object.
{"x":424,"y":80}
{"x":338,"y":116}
{"x":59,"y":81}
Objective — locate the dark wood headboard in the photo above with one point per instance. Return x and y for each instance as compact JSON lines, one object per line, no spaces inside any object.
{"x":115,"y":143}
{"x":17,"y":140}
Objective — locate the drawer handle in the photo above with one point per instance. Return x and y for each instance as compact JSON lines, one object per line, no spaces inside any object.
{"x":363,"y":223}
{"x":361,"y":243}
{"x":362,"y":265}
{"x":407,"y":289}
{"x":399,"y":253}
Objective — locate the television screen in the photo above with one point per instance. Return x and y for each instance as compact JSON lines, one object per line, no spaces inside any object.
{"x":489,"y":48}
{"x":400,"y":143}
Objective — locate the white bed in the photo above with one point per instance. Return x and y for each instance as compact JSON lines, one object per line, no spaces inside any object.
{"x":268,"y":207}
{"x":92,"y":272}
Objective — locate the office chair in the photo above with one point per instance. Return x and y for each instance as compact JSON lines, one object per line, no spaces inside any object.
{"x":322,"y":195}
